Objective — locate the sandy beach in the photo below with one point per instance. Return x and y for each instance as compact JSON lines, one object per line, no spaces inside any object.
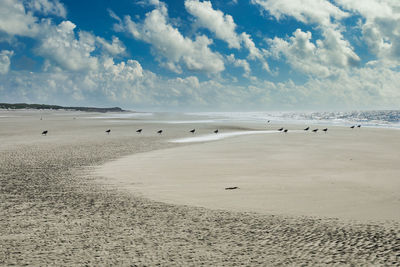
{"x":79,"y":196}
{"x":345,"y":173}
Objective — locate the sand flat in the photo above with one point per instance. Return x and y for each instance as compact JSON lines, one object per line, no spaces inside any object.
{"x":55,"y":212}
{"x":350,"y":174}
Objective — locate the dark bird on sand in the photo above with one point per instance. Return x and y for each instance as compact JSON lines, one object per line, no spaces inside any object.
{"x":325,"y":130}
{"x":192,"y":131}
{"x":285,"y":131}
{"x":315,"y":130}
{"x":45,"y":132}
{"x":108,"y":131}
{"x":281,"y":129}
{"x":306,"y":129}
{"x":359,"y":126}
{"x":231,"y":188}
{"x":352,"y":127}
{"x":159,"y":132}
{"x":139,"y":131}
{"x":216,"y":131}
{"x":268,"y":121}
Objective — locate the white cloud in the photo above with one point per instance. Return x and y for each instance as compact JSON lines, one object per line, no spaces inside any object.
{"x":254,"y":52}
{"x":60,"y":45}
{"x":168,"y":42}
{"x":224,"y":28}
{"x":326,"y":55}
{"x":14,"y":20}
{"x":240,"y":63}
{"x":324,"y":58}
{"x":114,"y":48}
{"x":5,"y":56}
{"x":221,"y":25}
{"x":372,"y":9}
{"x":380,"y":29}
{"x":129,"y":85}
{"x":319,"y":12}
{"x":47,"y":7}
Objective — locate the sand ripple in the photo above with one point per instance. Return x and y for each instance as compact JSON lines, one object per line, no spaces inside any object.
{"x":50,"y":215}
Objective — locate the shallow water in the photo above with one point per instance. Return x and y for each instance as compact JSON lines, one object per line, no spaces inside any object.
{"x":219,"y":136}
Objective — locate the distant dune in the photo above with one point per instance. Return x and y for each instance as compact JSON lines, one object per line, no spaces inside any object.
{"x":55,"y":107}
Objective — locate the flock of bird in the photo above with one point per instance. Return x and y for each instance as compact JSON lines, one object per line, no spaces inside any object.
{"x":216,"y":131}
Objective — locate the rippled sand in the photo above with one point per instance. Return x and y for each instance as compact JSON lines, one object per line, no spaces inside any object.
{"x":53,"y":212}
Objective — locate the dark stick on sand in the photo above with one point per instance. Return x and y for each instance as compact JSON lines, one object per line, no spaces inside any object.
{"x":231,"y":188}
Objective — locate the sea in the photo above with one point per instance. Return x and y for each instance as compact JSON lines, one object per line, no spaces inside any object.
{"x":372,"y":118}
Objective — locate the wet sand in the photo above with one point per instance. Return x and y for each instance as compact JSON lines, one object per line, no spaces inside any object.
{"x":53,"y":210}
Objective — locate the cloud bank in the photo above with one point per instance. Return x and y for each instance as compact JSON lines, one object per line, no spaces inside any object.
{"x":207,"y":60}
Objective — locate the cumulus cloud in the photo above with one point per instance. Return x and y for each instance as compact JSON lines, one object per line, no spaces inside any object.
{"x":324,"y":56}
{"x":320,"y":12}
{"x":47,"y":7}
{"x":60,"y":45}
{"x":116,"y":47}
{"x":221,"y":25}
{"x":15,"y":20}
{"x":380,"y":29}
{"x":240,"y":63}
{"x":322,"y":59}
{"x":5,"y":56}
{"x":254,"y":52}
{"x":169,"y":43}
{"x":224,"y":28}
{"x":127,"y":83}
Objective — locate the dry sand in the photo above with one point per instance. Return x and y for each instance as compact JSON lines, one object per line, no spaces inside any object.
{"x":53,"y":211}
{"x":348,"y":174}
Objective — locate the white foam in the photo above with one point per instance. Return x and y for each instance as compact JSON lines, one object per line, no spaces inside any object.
{"x":120,"y":115}
{"x":214,"y":137}
{"x":183,"y":121}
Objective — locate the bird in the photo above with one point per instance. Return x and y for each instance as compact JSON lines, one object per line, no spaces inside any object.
{"x":281,"y":129}
{"x":216,"y":131}
{"x":352,"y":127}
{"x":139,"y":131}
{"x":359,"y":126}
{"x":306,"y":129}
{"x":268,"y":121}
{"x":159,"y":132}
{"x":192,"y":131}
{"x":325,"y":130}
{"x":45,"y":132}
{"x":108,"y":131}
{"x":285,"y":131}
{"x":315,"y":130}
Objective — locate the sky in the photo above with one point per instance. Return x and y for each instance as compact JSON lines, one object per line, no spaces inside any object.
{"x":193,"y":55}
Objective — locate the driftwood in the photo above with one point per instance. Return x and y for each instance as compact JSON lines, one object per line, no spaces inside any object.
{"x":231,"y":188}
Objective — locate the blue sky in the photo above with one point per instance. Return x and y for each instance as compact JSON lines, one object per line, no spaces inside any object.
{"x":197,"y":55}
